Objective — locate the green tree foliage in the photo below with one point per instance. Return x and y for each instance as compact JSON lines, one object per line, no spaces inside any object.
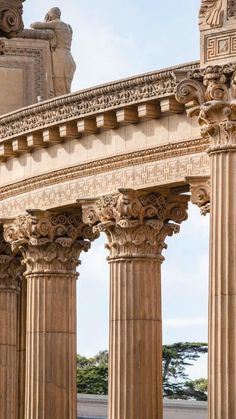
{"x":176,"y":383}
{"x":92,"y":373}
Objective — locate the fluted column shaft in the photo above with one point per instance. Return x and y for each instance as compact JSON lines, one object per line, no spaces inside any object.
{"x":210,"y":93}
{"x":50,"y":244}
{"x":51,"y":346}
{"x":8,"y":355}
{"x":22,"y":302}
{"x":10,"y":276}
{"x":222,"y":303}
{"x":135,"y":385}
{"x":136,"y":225}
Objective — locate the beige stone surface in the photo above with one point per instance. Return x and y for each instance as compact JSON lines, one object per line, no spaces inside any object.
{"x":136,"y":226}
{"x":11,"y":77}
{"x":50,"y":244}
{"x":10,"y":285}
{"x":214,"y":94}
{"x":26,"y":65}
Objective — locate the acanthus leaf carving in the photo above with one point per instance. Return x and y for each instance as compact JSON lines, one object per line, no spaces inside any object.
{"x":49,"y":241}
{"x":136,"y":223}
{"x":11,"y":269}
{"x":217,"y":113}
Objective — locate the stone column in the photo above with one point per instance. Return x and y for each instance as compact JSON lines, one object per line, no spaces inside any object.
{"x":213,"y":93}
{"x":222,"y":307}
{"x":10,"y":277}
{"x":50,"y":244}
{"x":136,"y":225}
{"x":22,"y":301}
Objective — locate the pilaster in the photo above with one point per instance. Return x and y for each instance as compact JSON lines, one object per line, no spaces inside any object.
{"x":136,"y":225}
{"x":50,"y":244}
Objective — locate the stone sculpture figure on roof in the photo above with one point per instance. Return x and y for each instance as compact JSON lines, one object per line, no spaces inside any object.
{"x":211,"y":13}
{"x":63,"y":64}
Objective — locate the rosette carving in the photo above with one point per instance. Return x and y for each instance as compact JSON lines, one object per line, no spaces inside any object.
{"x":49,"y":242}
{"x":11,"y":22}
{"x":11,"y":269}
{"x":211,"y":13}
{"x":136,"y":224}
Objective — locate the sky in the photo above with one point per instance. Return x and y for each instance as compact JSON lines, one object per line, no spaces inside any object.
{"x":114,"y":40}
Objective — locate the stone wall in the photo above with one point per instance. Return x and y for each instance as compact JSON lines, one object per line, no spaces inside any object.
{"x":25,"y":69}
{"x":95,"y":407}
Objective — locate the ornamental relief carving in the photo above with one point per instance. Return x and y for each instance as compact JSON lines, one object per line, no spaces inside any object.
{"x":11,"y":269}
{"x":210,"y":94}
{"x":211,"y":13}
{"x":11,"y":22}
{"x":200,"y":188}
{"x":65,"y":192}
{"x":78,"y":105}
{"x":136,"y":224}
{"x":49,"y":242}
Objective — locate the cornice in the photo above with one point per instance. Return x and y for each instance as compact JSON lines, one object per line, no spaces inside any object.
{"x":143,"y":88}
{"x":100,"y":166}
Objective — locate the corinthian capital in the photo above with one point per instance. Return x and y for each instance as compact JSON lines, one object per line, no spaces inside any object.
{"x":11,"y":22}
{"x":136,"y":224}
{"x":11,"y":270}
{"x":210,"y":93}
{"x":49,"y":241}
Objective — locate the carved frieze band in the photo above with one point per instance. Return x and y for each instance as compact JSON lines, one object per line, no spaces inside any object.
{"x":218,"y":46}
{"x":155,"y":173}
{"x":154,"y":154}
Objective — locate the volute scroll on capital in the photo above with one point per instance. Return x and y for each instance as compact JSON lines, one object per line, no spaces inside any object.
{"x":200,"y":188}
{"x":136,"y":223}
{"x":210,"y":94}
{"x":11,"y":269}
{"x":11,"y":22}
{"x":49,"y":241}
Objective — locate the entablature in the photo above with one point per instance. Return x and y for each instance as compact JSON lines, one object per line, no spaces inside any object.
{"x":129,"y":101}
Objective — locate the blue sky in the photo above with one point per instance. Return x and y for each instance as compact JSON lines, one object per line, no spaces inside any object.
{"x":113,"y":40}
